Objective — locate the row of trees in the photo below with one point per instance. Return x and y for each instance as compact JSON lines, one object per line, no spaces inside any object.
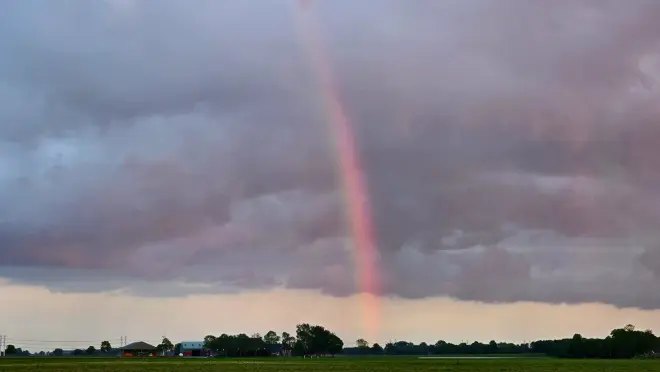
{"x":105,"y":347}
{"x":440,"y":347}
{"x":308,"y":340}
{"x":626,"y":342}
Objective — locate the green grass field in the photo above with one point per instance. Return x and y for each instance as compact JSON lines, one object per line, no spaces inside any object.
{"x":385,"y":364}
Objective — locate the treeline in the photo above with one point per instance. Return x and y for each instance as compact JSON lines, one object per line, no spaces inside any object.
{"x":104,"y":350}
{"x":439,"y":348}
{"x":308,"y":340}
{"x":626,"y":342}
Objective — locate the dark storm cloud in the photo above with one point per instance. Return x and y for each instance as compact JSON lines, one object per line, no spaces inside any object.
{"x":508,"y":147}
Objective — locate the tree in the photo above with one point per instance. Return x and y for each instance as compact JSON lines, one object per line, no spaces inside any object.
{"x":90,"y":350}
{"x":335,"y":344}
{"x":316,"y":339}
{"x":288,"y":341}
{"x":627,"y":342}
{"x":576,"y":346}
{"x":165,"y":345}
{"x":304,"y":338}
{"x":58,"y":352}
{"x":209,"y":342}
{"x":78,"y":352}
{"x":271,"y":338}
{"x":376,"y":349}
{"x":10,"y":350}
{"x":105,"y":346}
{"x":222,"y":343}
{"x":237,"y":345}
{"x":362,"y":343}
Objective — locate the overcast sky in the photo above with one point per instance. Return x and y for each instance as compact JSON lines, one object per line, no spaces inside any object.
{"x":161,"y":149}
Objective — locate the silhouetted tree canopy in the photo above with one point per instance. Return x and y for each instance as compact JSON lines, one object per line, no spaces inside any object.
{"x":10,"y":350}
{"x":626,"y":342}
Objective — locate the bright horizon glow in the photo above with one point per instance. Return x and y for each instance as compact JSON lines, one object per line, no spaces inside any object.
{"x":104,"y":316}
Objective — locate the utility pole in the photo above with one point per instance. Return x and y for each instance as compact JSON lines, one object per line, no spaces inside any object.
{"x":122,"y":343}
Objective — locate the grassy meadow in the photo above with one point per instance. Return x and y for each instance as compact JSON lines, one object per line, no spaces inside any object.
{"x":384,"y":364}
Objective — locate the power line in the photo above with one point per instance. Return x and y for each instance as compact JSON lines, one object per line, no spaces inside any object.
{"x":32,"y":344}
{"x":66,"y":341}
{"x":49,"y":344}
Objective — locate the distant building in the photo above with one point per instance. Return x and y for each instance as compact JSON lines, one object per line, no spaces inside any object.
{"x":192,"y":349}
{"x":274,"y":349}
{"x":278,"y":350}
{"x":138,"y":349}
{"x":73,"y":352}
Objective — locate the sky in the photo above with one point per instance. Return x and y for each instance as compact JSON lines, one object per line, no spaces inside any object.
{"x":483,"y":169}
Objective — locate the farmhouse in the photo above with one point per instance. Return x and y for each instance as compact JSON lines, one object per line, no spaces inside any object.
{"x":192,"y":348}
{"x":138,"y":349}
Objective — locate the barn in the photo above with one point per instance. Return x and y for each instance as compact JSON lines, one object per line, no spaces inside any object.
{"x":138,"y":349}
{"x":192,"y":349}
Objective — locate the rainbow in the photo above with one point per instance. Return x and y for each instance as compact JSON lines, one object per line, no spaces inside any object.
{"x":355,"y":193}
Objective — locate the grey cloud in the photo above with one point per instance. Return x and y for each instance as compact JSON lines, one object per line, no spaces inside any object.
{"x":501,"y":144}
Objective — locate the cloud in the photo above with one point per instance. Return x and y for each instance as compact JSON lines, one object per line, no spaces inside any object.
{"x":508,"y":150}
